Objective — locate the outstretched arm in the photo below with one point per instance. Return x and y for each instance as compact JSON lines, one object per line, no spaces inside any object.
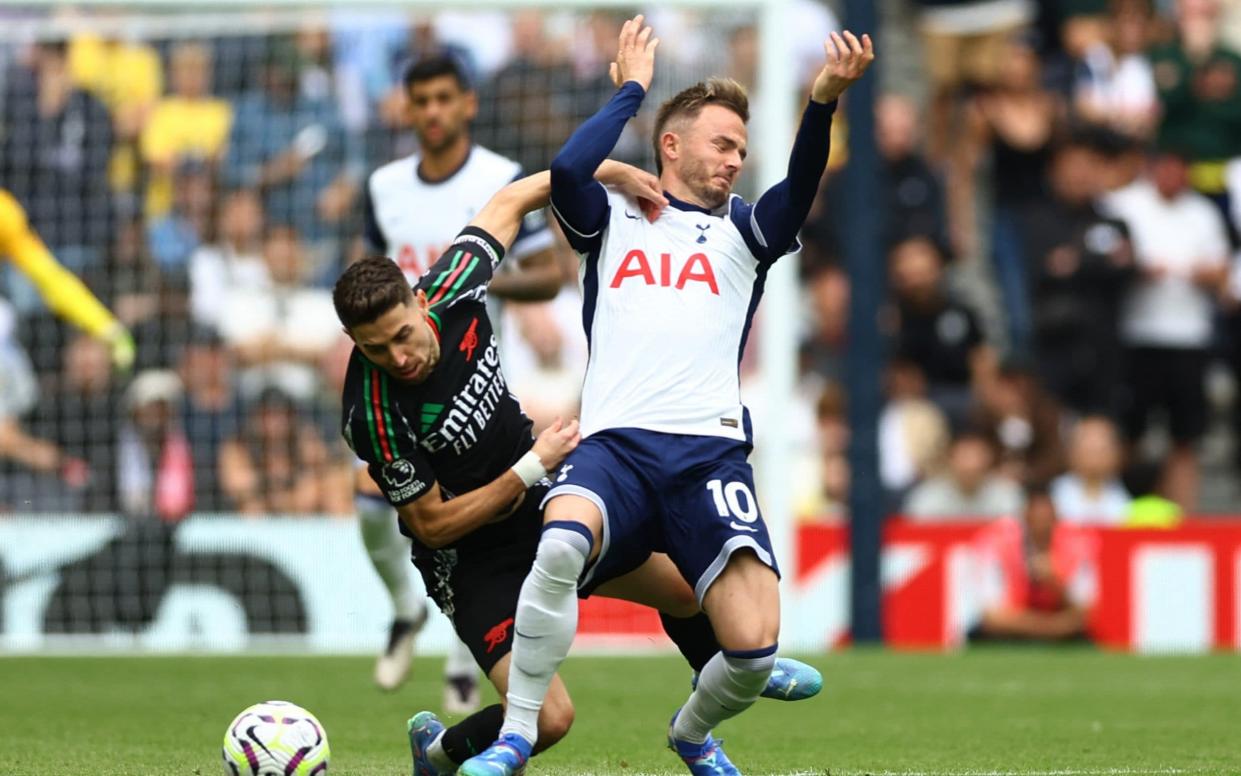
{"x":579,"y":202}
{"x":437,"y":522}
{"x":780,"y":212}
{"x":502,"y":215}
{"x":62,"y":291}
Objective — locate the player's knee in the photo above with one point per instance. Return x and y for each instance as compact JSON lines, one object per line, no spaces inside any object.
{"x":563,"y":552}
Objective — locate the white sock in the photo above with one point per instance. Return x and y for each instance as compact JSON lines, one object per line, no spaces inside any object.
{"x":460,"y":662}
{"x":389,"y":554}
{"x":438,"y":757}
{"x":545,"y":626}
{"x":727,"y":686}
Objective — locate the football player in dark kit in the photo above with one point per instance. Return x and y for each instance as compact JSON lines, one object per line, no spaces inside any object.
{"x":426,"y":406}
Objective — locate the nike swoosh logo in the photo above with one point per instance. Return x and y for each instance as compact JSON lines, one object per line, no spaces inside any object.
{"x":739,"y":527}
{"x":631,"y":215}
{"x":524,"y":636}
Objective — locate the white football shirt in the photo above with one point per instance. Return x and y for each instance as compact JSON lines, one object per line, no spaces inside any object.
{"x":414,"y":220}
{"x":667,"y":307}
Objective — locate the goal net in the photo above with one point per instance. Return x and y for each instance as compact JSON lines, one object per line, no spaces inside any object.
{"x":200,"y":170}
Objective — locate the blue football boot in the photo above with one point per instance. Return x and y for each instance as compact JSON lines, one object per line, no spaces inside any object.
{"x":424,"y":728}
{"x":705,"y":759}
{"x":791,"y":680}
{"x":506,"y":757}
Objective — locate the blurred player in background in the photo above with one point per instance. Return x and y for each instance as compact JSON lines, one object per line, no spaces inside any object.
{"x":413,"y":208}
{"x":70,"y":299}
{"x":662,"y":465}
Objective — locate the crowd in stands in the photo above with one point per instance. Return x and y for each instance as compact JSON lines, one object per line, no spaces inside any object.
{"x":1061,"y":200}
{"x":1082,"y":159}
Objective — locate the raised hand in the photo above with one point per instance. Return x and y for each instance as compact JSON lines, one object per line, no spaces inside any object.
{"x":635,"y":55}
{"x":847,"y":60}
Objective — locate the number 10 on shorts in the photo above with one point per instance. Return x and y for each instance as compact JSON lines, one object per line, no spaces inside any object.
{"x":735,"y":500}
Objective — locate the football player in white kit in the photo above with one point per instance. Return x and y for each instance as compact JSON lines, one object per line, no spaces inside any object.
{"x":662,"y":464}
{"x":413,"y":209}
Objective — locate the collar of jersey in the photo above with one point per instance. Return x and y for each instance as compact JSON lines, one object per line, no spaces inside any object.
{"x":681,"y":204}
{"x":449,"y":176}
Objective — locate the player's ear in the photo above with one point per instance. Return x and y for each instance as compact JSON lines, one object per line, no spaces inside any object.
{"x":471,"y":105}
{"x":349,"y":334}
{"x":670,"y":144}
{"x":420,"y":301}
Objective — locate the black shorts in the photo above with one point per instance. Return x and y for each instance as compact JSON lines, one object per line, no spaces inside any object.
{"x":477,"y":588}
{"x":1168,"y":379}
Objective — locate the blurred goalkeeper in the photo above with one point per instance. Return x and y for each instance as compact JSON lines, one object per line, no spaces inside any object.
{"x":70,"y":299}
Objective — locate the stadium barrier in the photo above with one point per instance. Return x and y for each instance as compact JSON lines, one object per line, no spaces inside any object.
{"x":231,"y":584}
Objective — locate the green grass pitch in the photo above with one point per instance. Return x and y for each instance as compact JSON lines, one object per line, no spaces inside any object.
{"x":994,"y":711}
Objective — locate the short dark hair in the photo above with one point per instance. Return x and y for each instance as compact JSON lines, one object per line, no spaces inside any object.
{"x":368,"y":289}
{"x":436,"y":66}
{"x":724,"y":92}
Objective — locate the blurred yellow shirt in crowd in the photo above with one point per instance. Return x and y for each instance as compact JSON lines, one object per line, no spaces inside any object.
{"x":128,"y":78}
{"x":177,"y":129}
{"x":63,"y":292}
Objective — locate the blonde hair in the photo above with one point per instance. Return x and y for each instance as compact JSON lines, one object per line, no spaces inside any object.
{"x":688,"y":103}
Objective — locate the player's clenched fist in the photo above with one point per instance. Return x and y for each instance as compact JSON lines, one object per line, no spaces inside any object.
{"x":556,"y":442}
{"x":635,"y":57}
{"x":847,"y":60}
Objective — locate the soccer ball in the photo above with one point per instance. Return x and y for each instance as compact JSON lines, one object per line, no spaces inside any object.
{"x":275,"y":738}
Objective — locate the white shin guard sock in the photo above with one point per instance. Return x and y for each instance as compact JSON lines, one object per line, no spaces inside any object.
{"x":728,"y":685}
{"x":389,"y":554}
{"x":545,"y":625}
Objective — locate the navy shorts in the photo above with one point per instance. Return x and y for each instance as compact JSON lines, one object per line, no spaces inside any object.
{"x":689,"y":496}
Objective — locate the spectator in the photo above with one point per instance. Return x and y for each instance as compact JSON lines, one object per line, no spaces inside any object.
{"x":127,"y":77}
{"x":154,"y":303}
{"x":1181,"y":248}
{"x":210,"y":412}
{"x":233,"y":263}
{"x":526,"y":110}
{"x":1025,"y":421}
{"x":1091,"y":492}
{"x":970,"y":488}
{"x":545,"y":362}
{"x":1199,"y":85}
{"x":941,"y":336}
{"x":912,"y":193}
{"x":1115,"y":84}
{"x":1037,"y":605}
{"x":1015,"y":125}
{"x":81,"y":416}
{"x":28,"y":464}
{"x":965,"y":45}
{"x":281,"y":333}
{"x":294,"y":149}
{"x":54,"y":159}
{"x":1080,"y":265}
{"x":280,"y":465}
{"x":187,"y":125}
{"x":176,"y":235}
{"x":828,"y":288}
{"x":155,"y":470}
{"x":913,"y":432}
